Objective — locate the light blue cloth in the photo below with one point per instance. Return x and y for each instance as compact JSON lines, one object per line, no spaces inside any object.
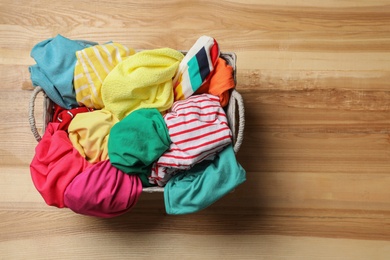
{"x":54,"y":71}
{"x":204,"y":184}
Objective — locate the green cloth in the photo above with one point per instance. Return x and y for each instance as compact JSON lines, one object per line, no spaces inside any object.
{"x":137,"y":141}
{"x":204,"y":184}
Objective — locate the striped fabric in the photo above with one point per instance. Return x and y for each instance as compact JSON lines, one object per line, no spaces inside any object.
{"x":198,"y":129}
{"x":196,"y":67}
{"x":92,"y":66}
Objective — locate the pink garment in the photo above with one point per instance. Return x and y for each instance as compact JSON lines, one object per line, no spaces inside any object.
{"x":103,"y":191}
{"x":56,"y":162}
{"x":198,"y":129}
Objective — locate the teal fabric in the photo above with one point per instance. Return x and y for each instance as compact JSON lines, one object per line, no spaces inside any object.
{"x":54,"y":69}
{"x":204,"y":184}
{"x":137,"y":141}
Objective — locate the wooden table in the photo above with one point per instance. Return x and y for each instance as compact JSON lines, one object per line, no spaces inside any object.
{"x":315,"y":77}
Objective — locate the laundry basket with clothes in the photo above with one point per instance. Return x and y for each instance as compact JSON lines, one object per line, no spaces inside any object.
{"x":118,"y":122}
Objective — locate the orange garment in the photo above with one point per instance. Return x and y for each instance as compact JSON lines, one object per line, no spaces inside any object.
{"x":220,"y":83}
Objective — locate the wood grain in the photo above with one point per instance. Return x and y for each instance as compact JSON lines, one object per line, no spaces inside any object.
{"x":314,"y":76}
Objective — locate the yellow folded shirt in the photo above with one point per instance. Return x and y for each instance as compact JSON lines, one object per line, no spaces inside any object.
{"x":89,"y":134}
{"x":92,"y":66}
{"x":143,"y":80}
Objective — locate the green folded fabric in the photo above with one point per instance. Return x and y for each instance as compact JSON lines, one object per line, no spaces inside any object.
{"x":204,"y":184}
{"x":137,"y":141}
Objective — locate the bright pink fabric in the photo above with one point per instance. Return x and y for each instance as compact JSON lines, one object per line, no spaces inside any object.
{"x":103,"y":191}
{"x":55,"y":164}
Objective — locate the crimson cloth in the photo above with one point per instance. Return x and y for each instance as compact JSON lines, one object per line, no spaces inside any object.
{"x":55,"y":164}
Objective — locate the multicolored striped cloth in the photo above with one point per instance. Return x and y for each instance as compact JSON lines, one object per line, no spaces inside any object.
{"x":196,"y":68}
{"x":198,"y":129}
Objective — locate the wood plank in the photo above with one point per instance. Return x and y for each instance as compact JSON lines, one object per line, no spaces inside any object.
{"x":237,"y":15}
{"x":315,"y":152}
{"x":115,"y":245}
{"x":253,"y":78}
{"x":246,"y":41}
{"x":332,"y":205}
{"x":310,"y":192}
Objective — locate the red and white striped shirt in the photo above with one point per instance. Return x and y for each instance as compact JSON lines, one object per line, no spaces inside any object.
{"x":198,"y":129}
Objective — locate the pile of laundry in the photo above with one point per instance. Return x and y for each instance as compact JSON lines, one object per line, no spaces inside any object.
{"x":124,"y":120}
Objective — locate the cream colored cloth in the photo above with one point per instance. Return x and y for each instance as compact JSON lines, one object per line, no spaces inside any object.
{"x":89,"y":134}
{"x":143,"y":80}
{"x":92,"y":66}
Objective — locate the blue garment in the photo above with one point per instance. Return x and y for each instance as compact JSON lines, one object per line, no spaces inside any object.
{"x":204,"y":184}
{"x":54,"y":71}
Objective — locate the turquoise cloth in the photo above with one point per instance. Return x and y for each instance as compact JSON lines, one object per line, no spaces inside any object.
{"x":137,"y":141}
{"x":54,"y":71}
{"x":204,"y":184}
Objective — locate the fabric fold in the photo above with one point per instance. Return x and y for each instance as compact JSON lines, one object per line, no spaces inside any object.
{"x":92,"y":67}
{"x":103,"y":191}
{"x":143,"y":80}
{"x":196,"y":68}
{"x":55,"y":62}
{"x":220,"y":83}
{"x":204,"y":184}
{"x":198,"y":129}
{"x":137,"y":141}
{"x":89,"y":134}
{"x":55,"y":164}
{"x":65,"y":116}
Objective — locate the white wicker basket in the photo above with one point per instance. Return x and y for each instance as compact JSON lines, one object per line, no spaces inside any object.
{"x":235,"y":113}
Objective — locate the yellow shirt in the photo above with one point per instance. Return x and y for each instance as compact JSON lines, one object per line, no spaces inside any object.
{"x":89,"y":134}
{"x":92,"y":66}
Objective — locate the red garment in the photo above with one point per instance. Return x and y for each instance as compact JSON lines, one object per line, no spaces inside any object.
{"x":220,"y":83}
{"x":103,"y":191}
{"x":56,"y":111}
{"x":64,"y":116}
{"x":56,"y":162}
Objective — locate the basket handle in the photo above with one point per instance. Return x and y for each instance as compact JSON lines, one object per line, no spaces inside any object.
{"x":237,"y":105}
{"x":31,"y":115}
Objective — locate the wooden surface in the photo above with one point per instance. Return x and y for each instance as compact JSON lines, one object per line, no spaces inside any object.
{"x":315,"y":77}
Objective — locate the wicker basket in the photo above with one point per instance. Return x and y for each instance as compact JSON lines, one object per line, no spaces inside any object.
{"x":235,"y":113}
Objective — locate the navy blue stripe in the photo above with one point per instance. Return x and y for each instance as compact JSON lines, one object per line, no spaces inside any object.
{"x":203,"y":63}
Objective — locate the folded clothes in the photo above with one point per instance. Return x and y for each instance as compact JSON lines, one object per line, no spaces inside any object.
{"x":204,"y":184}
{"x":55,"y":58}
{"x":143,"y":80}
{"x":220,"y":83}
{"x":103,"y":191}
{"x":137,"y":141}
{"x":198,"y":129}
{"x":65,"y":116}
{"x":55,"y":164}
{"x":196,"y":68}
{"x":92,"y":66}
{"x":89,"y":134}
